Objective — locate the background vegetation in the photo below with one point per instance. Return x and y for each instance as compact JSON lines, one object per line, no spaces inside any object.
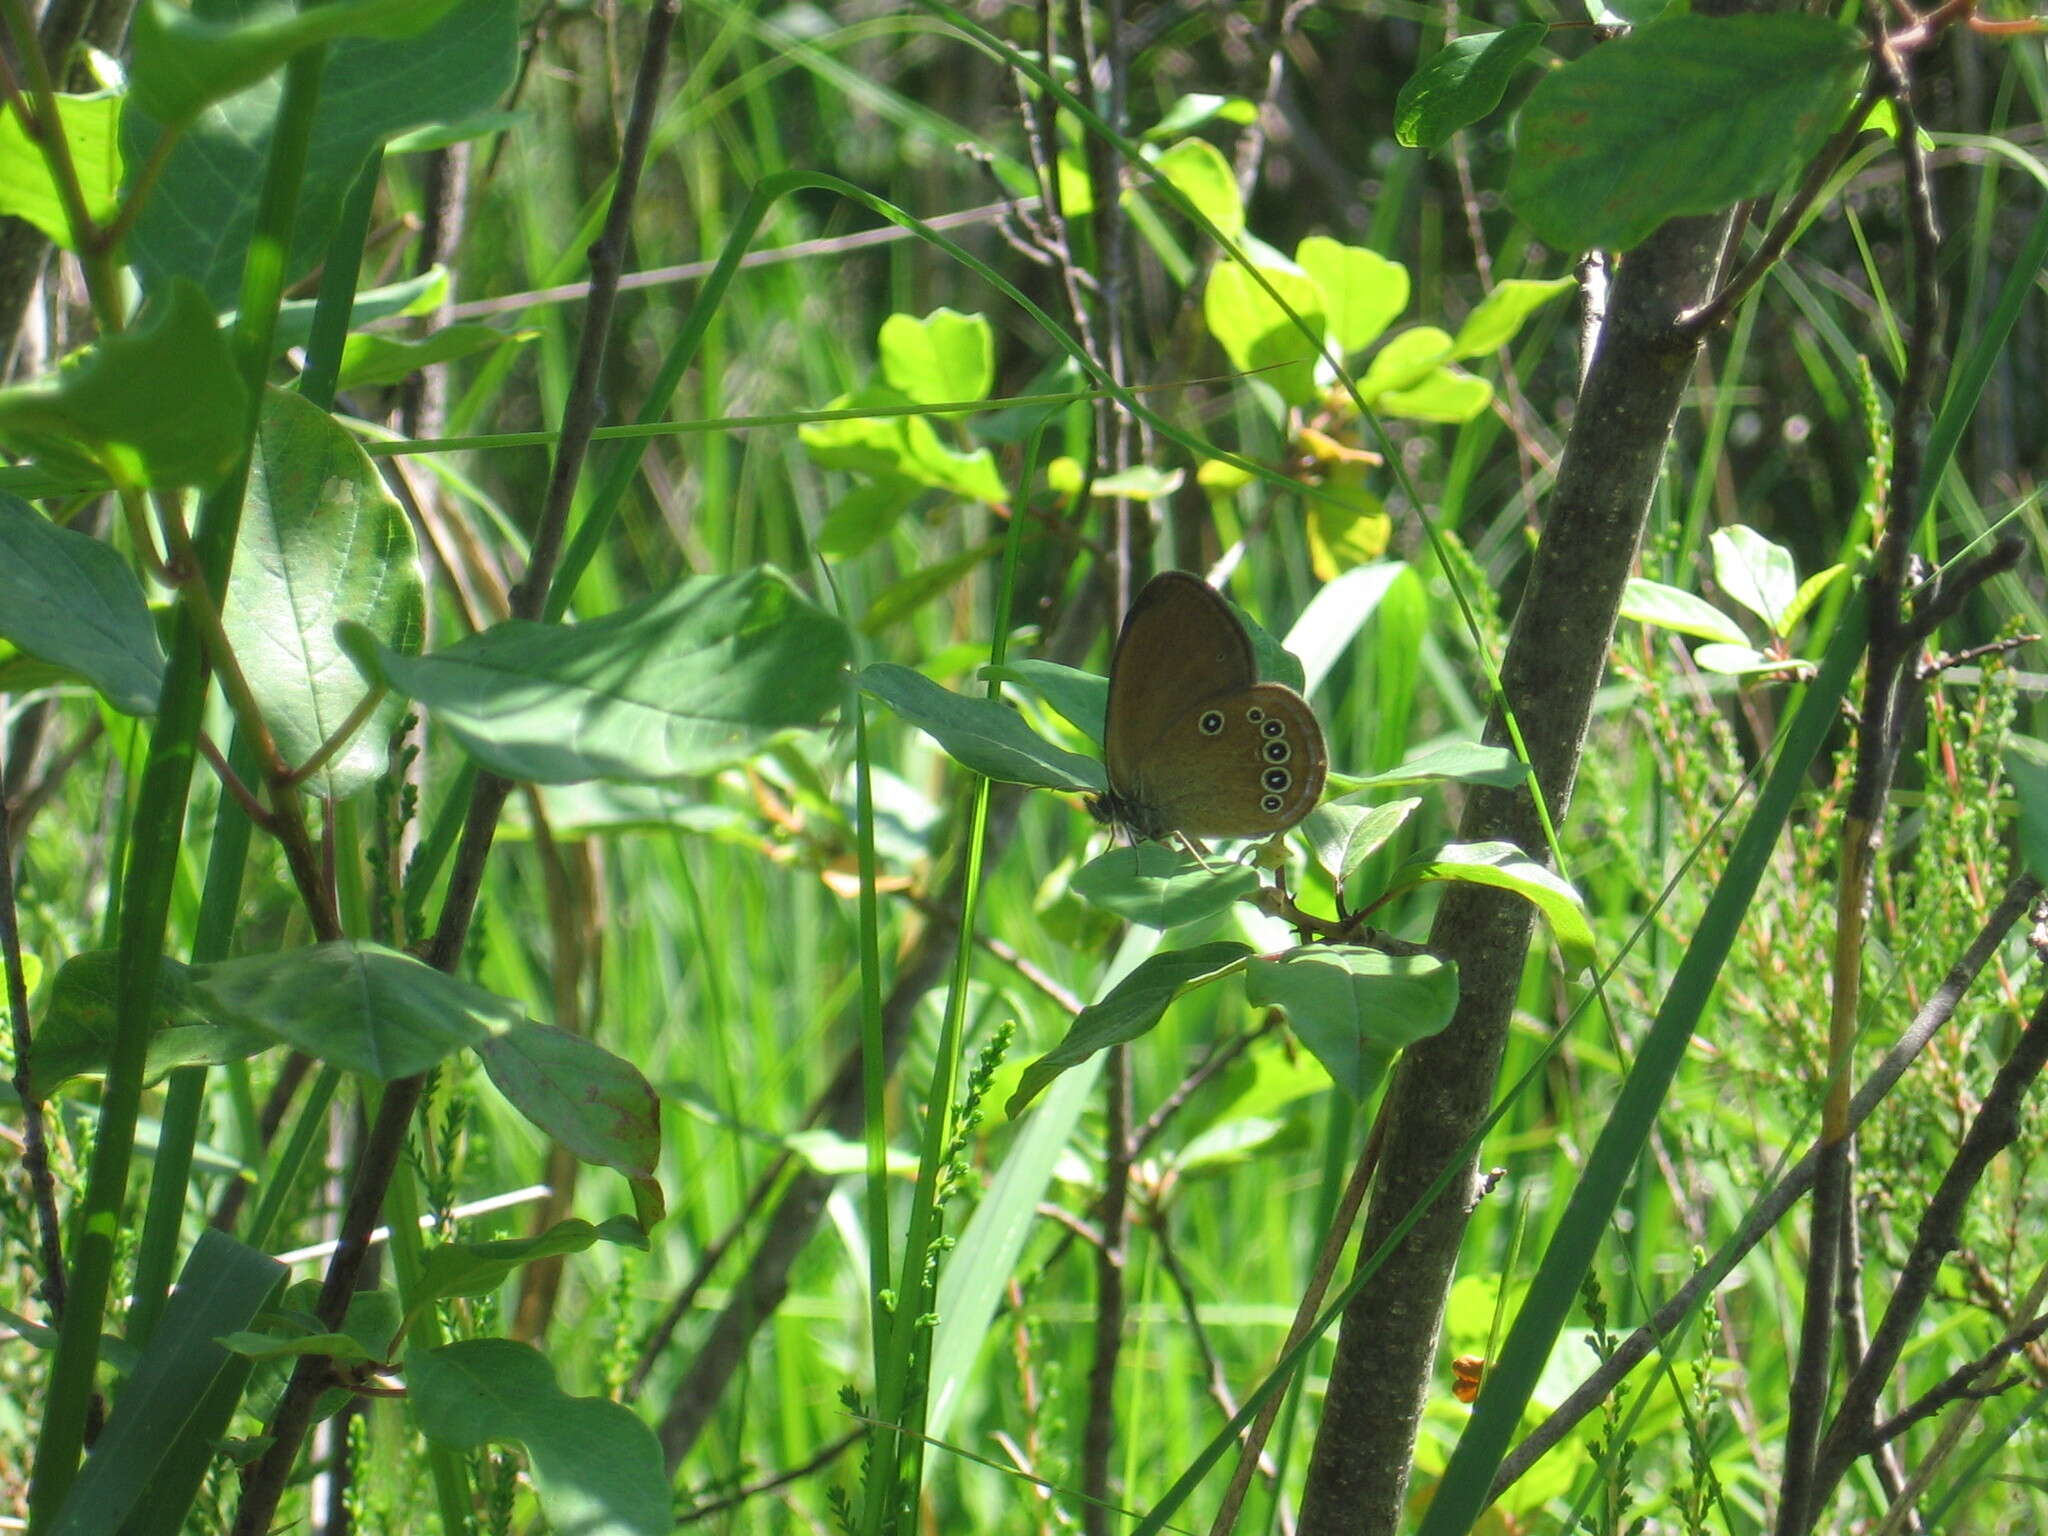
{"x":1118,"y":1269}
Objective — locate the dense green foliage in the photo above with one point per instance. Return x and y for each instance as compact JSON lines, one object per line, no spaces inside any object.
{"x":720,"y":1148}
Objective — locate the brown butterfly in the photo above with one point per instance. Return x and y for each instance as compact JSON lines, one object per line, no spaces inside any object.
{"x":1196,"y":744}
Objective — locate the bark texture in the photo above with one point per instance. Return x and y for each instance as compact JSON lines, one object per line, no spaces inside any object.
{"x":1444,"y":1086}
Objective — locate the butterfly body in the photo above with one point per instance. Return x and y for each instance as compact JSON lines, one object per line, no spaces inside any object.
{"x":1195,"y":743}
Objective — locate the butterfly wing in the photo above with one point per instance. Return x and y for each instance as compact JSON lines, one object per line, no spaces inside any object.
{"x":1246,"y":762}
{"x":1180,"y":643}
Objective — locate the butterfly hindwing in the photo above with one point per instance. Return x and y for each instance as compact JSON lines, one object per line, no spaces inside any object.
{"x":1246,"y":763}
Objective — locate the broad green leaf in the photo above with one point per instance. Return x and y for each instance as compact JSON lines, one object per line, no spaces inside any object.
{"x":1808,"y":594}
{"x":579,"y":1093}
{"x":900,"y":446}
{"x":686,"y":681}
{"x":183,"y":61}
{"x":71,"y":601}
{"x":1344,"y":836}
{"x":1742,"y":660}
{"x":596,"y":1467}
{"x":1461,"y":762}
{"x":1191,"y":111}
{"x":417,"y":295}
{"x":1363,"y":292}
{"x":476,"y":1269}
{"x":1497,"y":318}
{"x":377,"y":357}
{"x":158,"y":406}
{"x":2026,"y":769}
{"x":1445,"y":395}
{"x":1131,"y":1008}
{"x":198,"y":219}
{"x":1141,"y":482}
{"x":1205,"y":179}
{"x":321,"y":541}
{"x":1406,"y":360}
{"x":1652,"y":602}
{"x":1354,"y":1008}
{"x":1161,"y":887}
{"x":221,"y":1288}
{"x":1082,"y":698}
{"x":76,"y":1035}
{"x":925,"y":584}
{"x":1257,"y":334}
{"x":981,"y":734}
{"x":483,"y":125}
{"x":354,"y":1005}
{"x":1460,"y":83}
{"x":1346,"y":533}
{"x":1684,"y":116}
{"x":1507,"y":868}
{"x":865,"y":514}
{"x":946,"y":356}
{"x":28,"y":191}
{"x":1755,"y":572}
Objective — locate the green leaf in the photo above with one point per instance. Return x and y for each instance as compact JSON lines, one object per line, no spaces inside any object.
{"x":1741,"y":660}
{"x":1141,"y":482}
{"x":1445,"y":395}
{"x":865,"y":514}
{"x":375,"y":357}
{"x":321,"y":542}
{"x":412,"y":296}
{"x":1507,"y":868}
{"x":1362,"y":291}
{"x":1497,"y":318}
{"x":596,"y":1105}
{"x":1652,"y":602}
{"x":158,"y":406}
{"x":182,"y":61}
{"x":596,"y":1467}
{"x":1191,"y":111}
{"x":71,"y":601}
{"x":899,"y":446}
{"x":686,"y":681}
{"x":1205,"y":178}
{"x":1131,"y":1008}
{"x":1256,"y":333}
{"x":900,"y":599}
{"x":1684,"y":116}
{"x":1405,"y":360}
{"x":2026,"y":769}
{"x":1354,"y":1008}
{"x":198,"y":220}
{"x":1343,"y":837}
{"x":1460,"y":83}
{"x":1808,"y":594}
{"x":76,"y":1035}
{"x":1082,"y":698}
{"x":476,"y":1269}
{"x":1348,"y":526}
{"x":27,"y":189}
{"x":1756,"y":573}
{"x":989,"y":737}
{"x":221,"y":1288}
{"x":355,"y":1005}
{"x":1160,"y":887}
{"x":1465,"y":762}
{"x":945,"y":357}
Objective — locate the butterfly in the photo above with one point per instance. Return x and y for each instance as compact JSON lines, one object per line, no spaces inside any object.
{"x":1196,"y":744}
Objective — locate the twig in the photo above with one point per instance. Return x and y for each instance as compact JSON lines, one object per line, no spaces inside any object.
{"x":382,"y":1147}
{"x":35,"y":1156}
{"x":1995,"y":1127}
{"x":1767,"y":1212}
{"x":1945,"y":596}
{"x":831,"y":1453}
{"x":1960,"y":1384}
{"x":1098,"y":1435}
